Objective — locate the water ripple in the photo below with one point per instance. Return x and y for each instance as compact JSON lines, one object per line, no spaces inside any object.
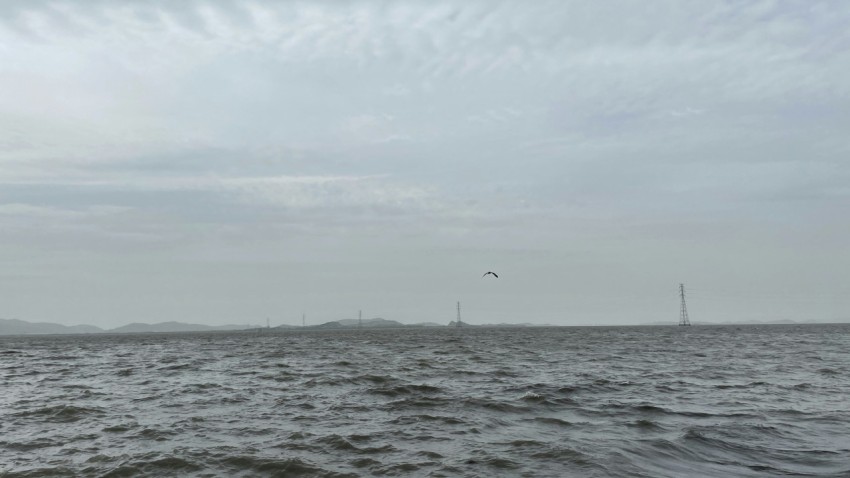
{"x":754,"y":401}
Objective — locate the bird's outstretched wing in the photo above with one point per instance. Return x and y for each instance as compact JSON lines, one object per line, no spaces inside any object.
{"x":493,"y":273}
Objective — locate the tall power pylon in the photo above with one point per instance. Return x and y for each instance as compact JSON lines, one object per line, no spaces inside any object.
{"x":683,"y":310}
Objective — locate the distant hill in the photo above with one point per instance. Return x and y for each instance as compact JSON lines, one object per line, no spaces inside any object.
{"x":376,"y":322}
{"x":15,"y":326}
{"x":18,"y":327}
{"x":138,"y":327}
{"x":354,"y":323}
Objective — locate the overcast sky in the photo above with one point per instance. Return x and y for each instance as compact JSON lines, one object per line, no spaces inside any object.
{"x":228,"y":162}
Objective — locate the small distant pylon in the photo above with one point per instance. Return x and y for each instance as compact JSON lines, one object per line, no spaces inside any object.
{"x":457,"y":324}
{"x":360,"y":319}
{"x":683,"y":310}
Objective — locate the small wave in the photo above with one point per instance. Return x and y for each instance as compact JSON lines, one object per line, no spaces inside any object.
{"x":506,"y":373}
{"x":333,"y":381}
{"x":40,"y":472}
{"x":466,"y":372}
{"x":405,"y":390}
{"x":495,"y":462}
{"x":181,"y":366}
{"x":540,"y":399}
{"x":365,"y":463}
{"x":76,"y":386}
{"x":418,"y":402}
{"x":148,"y":398}
{"x":31,"y":445}
{"x":153,"y":464}
{"x":375,"y":378}
{"x":430,"y":454}
{"x":284,"y":376}
{"x":154,"y":434}
{"x":378,"y":450}
{"x":289,"y":467}
{"x":124,"y":427}
{"x":644,"y":424}
{"x":298,"y":447}
{"x":569,"y":455}
{"x":409,"y":419}
{"x":250,"y":431}
{"x":62,"y":413}
{"x":336,"y":442}
{"x":637,"y":407}
{"x":495,"y":405}
{"x":170,"y":463}
{"x":726,"y":386}
{"x":403,"y":469}
{"x":552,"y":421}
{"x":525,"y":444}
{"x":202,"y":388}
{"x":61,"y":358}
{"x":647,"y":408}
{"x":601,"y":385}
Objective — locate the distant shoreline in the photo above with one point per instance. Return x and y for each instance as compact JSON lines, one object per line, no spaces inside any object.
{"x":23,"y":328}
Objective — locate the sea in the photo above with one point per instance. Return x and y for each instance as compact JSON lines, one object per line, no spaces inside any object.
{"x":651,"y":401}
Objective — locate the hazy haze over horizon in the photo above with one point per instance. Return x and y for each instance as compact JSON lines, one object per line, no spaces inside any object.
{"x":224,"y":162}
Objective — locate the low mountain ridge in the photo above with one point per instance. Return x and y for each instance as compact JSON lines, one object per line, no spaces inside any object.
{"x":375,"y":322}
{"x":171,"y":326}
{"x":22,"y":327}
{"x":15,"y":327}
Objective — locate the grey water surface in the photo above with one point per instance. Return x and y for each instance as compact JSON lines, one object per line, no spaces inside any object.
{"x":594,"y":401}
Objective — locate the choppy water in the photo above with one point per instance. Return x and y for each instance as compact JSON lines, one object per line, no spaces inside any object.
{"x":627,"y":401}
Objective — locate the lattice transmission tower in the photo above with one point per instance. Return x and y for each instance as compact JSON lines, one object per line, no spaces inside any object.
{"x":683,"y":310}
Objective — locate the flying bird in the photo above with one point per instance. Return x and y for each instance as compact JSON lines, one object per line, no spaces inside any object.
{"x":494,"y":274}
